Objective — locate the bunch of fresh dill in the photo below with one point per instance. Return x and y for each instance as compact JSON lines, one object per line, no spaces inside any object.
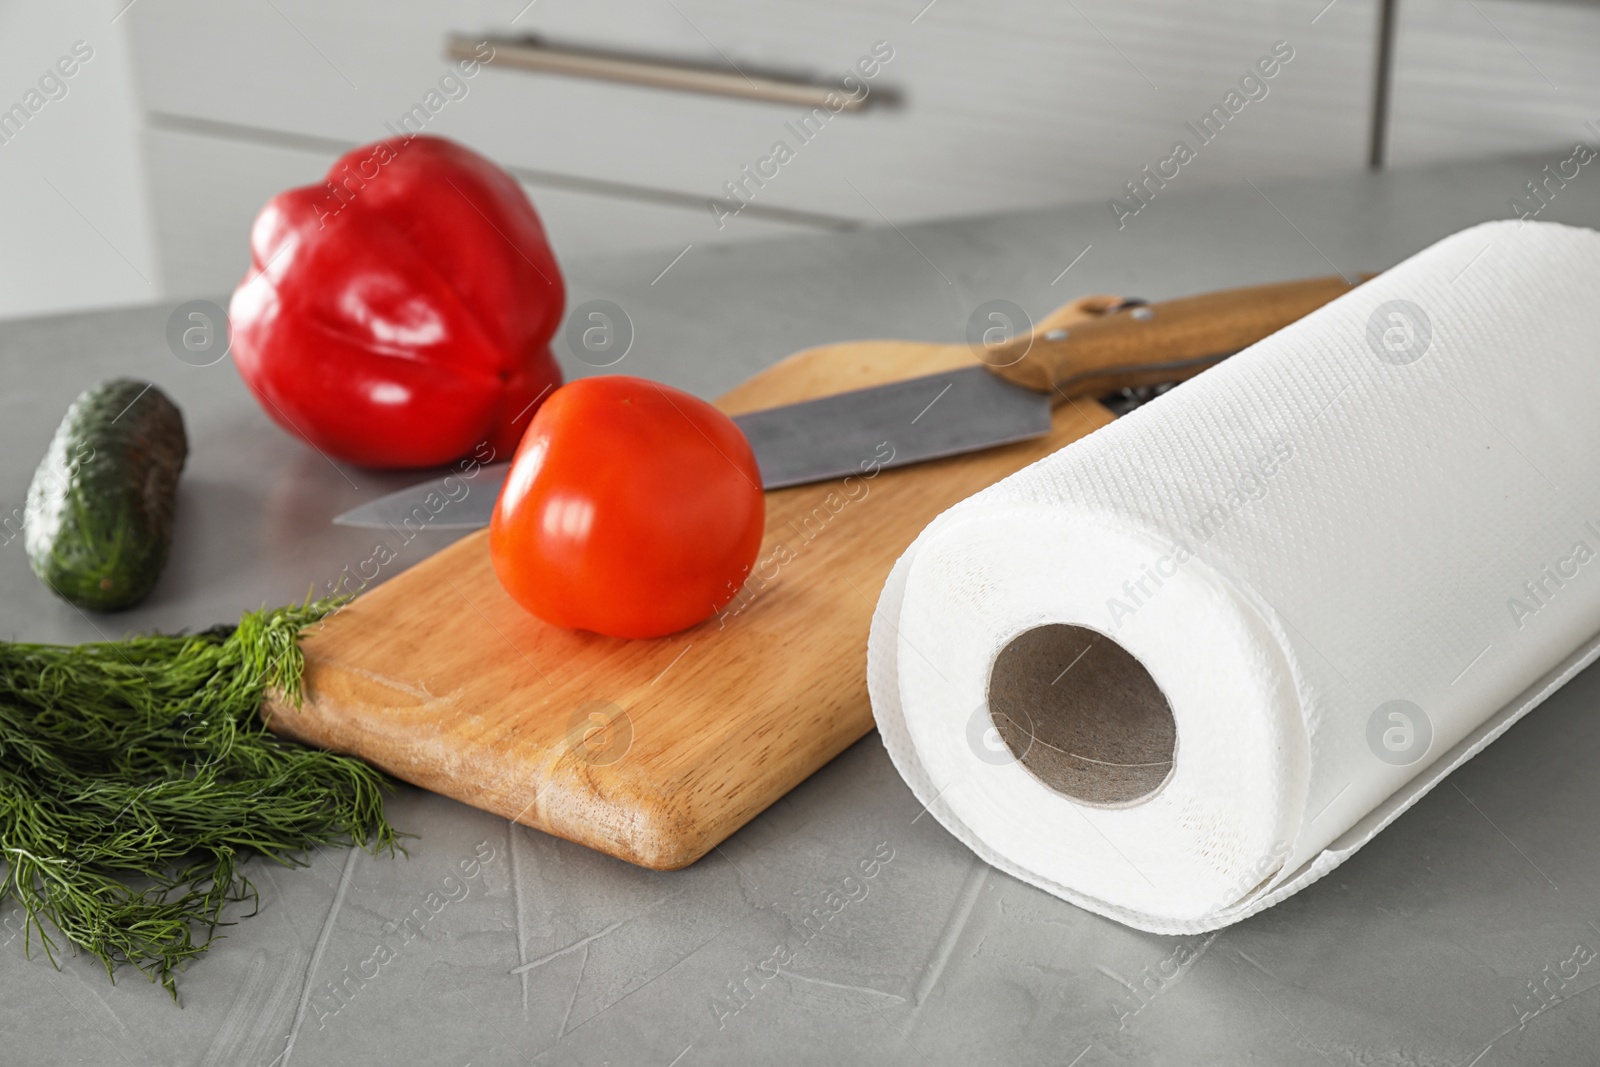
{"x":136,"y":777}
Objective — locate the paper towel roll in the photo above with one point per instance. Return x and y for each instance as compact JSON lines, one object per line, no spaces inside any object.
{"x":1186,"y":666}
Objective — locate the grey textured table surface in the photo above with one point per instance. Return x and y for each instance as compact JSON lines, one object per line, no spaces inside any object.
{"x":1422,"y":950}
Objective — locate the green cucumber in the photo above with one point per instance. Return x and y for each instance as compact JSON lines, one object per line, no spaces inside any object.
{"x":99,"y":518}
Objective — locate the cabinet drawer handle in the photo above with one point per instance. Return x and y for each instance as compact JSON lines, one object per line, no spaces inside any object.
{"x":530,"y":53}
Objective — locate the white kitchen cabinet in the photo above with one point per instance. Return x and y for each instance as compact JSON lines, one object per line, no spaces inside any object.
{"x":207,"y":190}
{"x":1003,"y":105}
{"x":1475,"y":78}
{"x":74,"y":230}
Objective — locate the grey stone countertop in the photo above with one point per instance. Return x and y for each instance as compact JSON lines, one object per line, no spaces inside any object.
{"x":1425,"y":949}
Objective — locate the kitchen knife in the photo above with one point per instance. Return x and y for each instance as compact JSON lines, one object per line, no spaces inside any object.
{"x":848,"y":433}
{"x":1125,"y":345}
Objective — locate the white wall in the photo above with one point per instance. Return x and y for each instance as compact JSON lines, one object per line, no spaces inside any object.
{"x":75,"y":225}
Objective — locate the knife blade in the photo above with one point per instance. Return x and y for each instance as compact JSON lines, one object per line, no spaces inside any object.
{"x":1124,"y":350}
{"x":884,"y":426}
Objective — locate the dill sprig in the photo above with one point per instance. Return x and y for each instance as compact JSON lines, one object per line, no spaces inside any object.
{"x":137,"y":776}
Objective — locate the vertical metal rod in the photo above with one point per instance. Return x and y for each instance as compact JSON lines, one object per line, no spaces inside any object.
{"x":1378,"y":150}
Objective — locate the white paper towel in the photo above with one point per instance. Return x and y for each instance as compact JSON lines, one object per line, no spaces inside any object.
{"x":1348,"y":558}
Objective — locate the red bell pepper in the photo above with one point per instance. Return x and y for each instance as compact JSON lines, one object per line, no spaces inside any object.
{"x":400,"y":315}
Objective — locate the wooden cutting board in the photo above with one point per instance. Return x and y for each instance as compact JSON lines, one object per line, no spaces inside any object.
{"x":653,"y":751}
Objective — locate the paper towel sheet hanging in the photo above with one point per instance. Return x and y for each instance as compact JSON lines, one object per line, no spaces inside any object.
{"x":1186,"y":666}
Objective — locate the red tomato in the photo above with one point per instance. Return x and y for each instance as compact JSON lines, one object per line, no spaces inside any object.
{"x":632,"y":509}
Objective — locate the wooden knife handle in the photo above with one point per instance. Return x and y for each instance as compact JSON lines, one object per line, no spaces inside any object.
{"x":1121,"y":345}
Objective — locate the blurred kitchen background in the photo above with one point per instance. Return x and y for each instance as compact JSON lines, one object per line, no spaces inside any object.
{"x":135,"y":178}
